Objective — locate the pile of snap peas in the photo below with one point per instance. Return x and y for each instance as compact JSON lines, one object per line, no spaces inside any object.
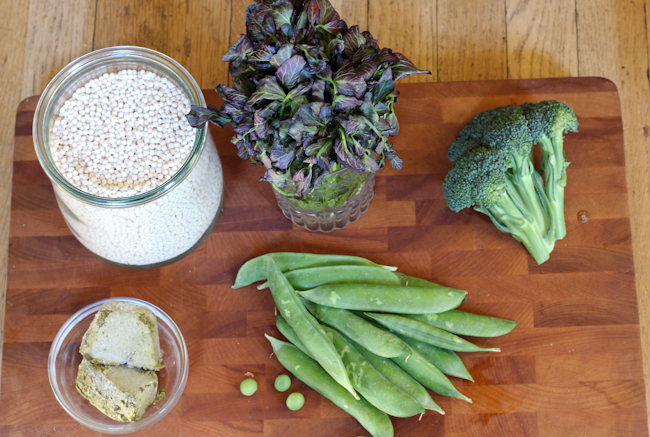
{"x":367,"y":338}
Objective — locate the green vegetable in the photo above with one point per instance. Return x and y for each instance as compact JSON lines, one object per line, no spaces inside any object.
{"x":310,"y":96}
{"x":254,"y":269}
{"x":335,"y":189}
{"x":410,"y":281}
{"x":304,"y":279}
{"x":445,"y":360}
{"x":427,"y":333}
{"x":376,"y":422}
{"x":548,"y":122}
{"x":305,"y":325}
{"x":371,"y":297}
{"x":290,"y":334}
{"x":420,"y":353}
{"x":428,"y":375}
{"x":493,"y":169}
{"x":282,"y":383}
{"x":372,"y":385}
{"x":400,"y":378}
{"x":462,"y":323}
{"x":360,"y":330}
{"x":248,"y":387}
{"x":295,"y":401}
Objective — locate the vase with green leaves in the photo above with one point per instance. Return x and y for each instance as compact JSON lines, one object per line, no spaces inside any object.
{"x":312,"y":101}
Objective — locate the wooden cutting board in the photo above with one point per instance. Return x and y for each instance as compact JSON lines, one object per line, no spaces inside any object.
{"x":571,"y":368}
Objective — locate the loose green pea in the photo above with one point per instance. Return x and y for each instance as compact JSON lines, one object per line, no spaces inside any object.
{"x":308,"y":371}
{"x":282,"y":383}
{"x":306,"y":326}
{"x":295,"y":401}
{"x":248,"y":387}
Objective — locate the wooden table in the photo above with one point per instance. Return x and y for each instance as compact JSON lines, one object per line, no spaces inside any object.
{"x":456,"y":40}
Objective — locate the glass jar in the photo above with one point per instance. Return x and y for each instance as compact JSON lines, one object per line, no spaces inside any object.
{"x":338,"y":201}
{"x":153,"y":228}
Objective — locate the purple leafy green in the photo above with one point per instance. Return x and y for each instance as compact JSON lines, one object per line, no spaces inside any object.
{"x":309,"y":96}
{"x":289,"y":71}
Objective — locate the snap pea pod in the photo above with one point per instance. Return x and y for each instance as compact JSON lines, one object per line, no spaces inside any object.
{"x":306,"y":326}
{"x":462,"y":323}
{"x":377,"y":340}
{"x":372,"y":297}
{"x":372,"y":385}
{"x":304,"y":279}
{"x":411,"y":281}
{"x":290,"y":334}
{"x":400,"y":378}
{"x":254,"y":269}
{"x":445,"y":360}
{"x":376,"y":422}
{"x":427,"y":333}
{"x":428,"y":375}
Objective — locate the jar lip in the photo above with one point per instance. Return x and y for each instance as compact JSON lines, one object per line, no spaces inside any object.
{"x":112,"y":56}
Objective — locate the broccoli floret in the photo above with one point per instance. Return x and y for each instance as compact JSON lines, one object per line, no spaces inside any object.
{"x":494,"y":171}
{"x":506,"y":129}
{"x":548,"y":122}
{"x":479,"y":177}
{"x":482,"y":177}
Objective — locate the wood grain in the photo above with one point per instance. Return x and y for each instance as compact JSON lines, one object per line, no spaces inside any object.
{"x":177,"y":28}
{"x":38,"y":38}
{"x":576,"y":352}
{"x":471,"y":40}
{"x":11,"y":75}
{"x":620,"y":25}
{"x":610,"y":40}
{"x":353,"y":12}
{"x":541,"y":39}
{"x":412,"y":33}
{"x":54,"y":38}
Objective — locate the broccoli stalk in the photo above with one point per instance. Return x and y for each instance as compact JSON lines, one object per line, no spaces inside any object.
{"x":493,"y":171}
{"x":548,"y":121}
{"x":529,"y":186}
{"x":510,"y":217}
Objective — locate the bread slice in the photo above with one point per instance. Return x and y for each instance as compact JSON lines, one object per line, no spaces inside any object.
{"x":123,"y":333}
{"x":122,"y":393}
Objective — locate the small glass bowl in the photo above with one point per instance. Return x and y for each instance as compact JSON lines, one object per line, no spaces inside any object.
{"x":64,"y":360}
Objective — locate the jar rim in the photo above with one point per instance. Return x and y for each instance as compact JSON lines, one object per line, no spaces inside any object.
{"x":69,"y":76}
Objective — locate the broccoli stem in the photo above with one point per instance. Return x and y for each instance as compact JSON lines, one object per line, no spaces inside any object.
{"x":554,"y":167}
{"x":509,"y":216}
{"x":522,"y":179}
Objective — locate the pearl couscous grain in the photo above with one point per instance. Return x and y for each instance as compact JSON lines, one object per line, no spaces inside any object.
{"x":124,"y":134}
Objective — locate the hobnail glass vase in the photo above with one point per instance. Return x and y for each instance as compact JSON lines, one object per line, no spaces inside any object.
{"x":338,"y":201}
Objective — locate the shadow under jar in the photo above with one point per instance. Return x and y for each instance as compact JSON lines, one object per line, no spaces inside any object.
{"x":155,"y":226}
